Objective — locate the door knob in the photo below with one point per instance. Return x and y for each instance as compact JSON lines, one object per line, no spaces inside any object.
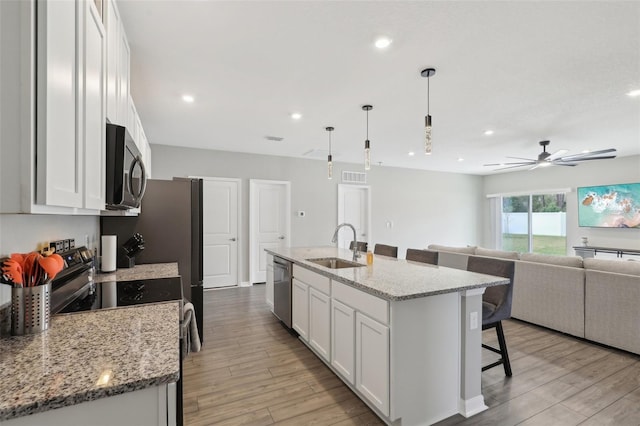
{"x":232,"y":239}
{"x":281,"y":237}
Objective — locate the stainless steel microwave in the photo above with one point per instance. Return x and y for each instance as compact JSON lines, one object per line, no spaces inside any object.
{"x":126,"y":175}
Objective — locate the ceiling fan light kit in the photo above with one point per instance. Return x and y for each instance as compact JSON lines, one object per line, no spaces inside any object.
{"x":558,"y":158}
{"x":427,"y":72}
{"x":367,"y":144}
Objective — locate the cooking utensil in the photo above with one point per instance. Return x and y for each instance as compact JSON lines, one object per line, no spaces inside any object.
{"x":51,"y":265}
{"x":12,"y":272}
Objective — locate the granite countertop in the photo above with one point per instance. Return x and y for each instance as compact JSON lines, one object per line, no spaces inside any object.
{"x":139,"y":272}
{"x":390,"y":278}
{"x":62,"y":365}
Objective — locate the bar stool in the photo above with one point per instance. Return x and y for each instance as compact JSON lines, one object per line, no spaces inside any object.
{"x":496,"y":303}
{"x":362,"y":246}
{"x":386,"y":250}
{"x":424,"y":256}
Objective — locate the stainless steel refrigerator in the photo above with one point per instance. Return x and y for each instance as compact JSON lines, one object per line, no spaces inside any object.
{"x":171,"y":224}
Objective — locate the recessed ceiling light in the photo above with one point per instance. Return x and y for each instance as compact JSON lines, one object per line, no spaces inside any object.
{"x":634,"y":93}
{"x":460,"y":159}
{"x":488,"y":132}
{"x":296,"y":116}
{"x":188,"y":98}
{"x":383,"y":42}
{"x":411,"y":154}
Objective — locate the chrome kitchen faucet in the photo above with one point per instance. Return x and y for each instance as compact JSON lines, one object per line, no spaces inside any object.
{"x":356,"y":255}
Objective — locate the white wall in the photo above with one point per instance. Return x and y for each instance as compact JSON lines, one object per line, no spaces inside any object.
{"x":21,"y":233}
{"x":603,"y":172}
{"x":425,"y":207}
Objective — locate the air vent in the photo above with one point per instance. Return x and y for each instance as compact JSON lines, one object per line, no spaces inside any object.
{"x":354,"y":177}
{"x":274,"y":138}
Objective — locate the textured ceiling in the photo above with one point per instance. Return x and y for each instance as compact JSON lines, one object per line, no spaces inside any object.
{"x":527,"y":70}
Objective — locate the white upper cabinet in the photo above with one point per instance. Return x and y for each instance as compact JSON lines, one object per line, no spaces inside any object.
{"x":112,"y":24}
{"x":59,"y":93}
{"x":94,"y":108}
{"x":63,"y":76}
{"x":117,"y":73}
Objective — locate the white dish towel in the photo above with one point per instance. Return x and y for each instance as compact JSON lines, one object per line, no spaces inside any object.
{"x":191,"y":328}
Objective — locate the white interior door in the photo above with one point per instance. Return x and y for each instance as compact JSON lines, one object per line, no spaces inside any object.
{"x":269,"y":223}
{"x":220,"y":234}
{"x":354,"y":207}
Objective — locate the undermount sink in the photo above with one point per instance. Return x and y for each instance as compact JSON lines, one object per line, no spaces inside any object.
{"x":335,"y":263}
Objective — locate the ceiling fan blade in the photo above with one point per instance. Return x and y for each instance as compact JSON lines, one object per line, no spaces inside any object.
{"x":571,"y":160}
{"x":557,"y":154}
{"x":512,"y":167}
{"x":558,"y":163}
{"x":510,"y":164}
{"x":586,"y":155}
{"x":520,"y":158}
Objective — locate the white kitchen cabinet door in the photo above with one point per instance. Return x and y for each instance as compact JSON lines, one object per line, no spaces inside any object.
{"x":60,"y":151}
{"x":124,"y":57}
{"x":269,"y":282}
{"x":94,"y":108}
{"x":300,"y":308}
{"x":372,"y":361}
{"x":343,"y":340}
{"x":320,"y":323}
{"x":113,"y":24}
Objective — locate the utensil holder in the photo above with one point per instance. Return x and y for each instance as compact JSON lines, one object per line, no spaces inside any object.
{"x":30,"y":309}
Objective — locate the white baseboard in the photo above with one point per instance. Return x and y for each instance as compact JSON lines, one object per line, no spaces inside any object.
{"x":473,"y":406}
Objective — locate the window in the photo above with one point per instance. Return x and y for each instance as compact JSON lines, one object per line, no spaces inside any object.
{"x":534,"y":223}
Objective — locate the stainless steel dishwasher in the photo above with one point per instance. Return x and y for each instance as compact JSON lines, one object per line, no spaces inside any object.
{"x":282,"y":290}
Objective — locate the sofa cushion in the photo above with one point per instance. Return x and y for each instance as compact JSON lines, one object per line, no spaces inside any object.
{"x":502,"y":254}
{"x":616,"y":266}
{"x":570,"y":261}
{"x":464,"y":250}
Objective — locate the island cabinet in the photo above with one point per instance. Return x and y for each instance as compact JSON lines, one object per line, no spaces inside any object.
{"x":362,"y":318}
{"x":311,"y":314}
{"x":383,"y":349}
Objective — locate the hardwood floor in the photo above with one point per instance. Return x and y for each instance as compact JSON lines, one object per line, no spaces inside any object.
{"x":251,"y":371}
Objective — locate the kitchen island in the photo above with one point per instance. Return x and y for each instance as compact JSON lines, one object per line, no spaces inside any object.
{"x":112,"y":366}
{"x":404,"y":336}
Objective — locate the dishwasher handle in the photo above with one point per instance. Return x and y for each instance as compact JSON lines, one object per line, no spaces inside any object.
{"x":283,"y":263}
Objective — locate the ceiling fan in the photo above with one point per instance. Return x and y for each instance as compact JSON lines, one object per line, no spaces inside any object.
{"x":557,"y":159}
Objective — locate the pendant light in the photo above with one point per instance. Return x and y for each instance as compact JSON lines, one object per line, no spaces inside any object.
{"x":427,"y":72}
{"x":367,"y":150}
{"x":329,"y":158}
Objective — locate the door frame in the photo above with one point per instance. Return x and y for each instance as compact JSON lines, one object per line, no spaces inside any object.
{"x":253,"y":216}
{"x":367,"y":188}
{"x":239,"y":223}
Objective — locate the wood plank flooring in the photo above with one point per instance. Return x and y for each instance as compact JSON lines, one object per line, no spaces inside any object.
{"x":251,"y":371}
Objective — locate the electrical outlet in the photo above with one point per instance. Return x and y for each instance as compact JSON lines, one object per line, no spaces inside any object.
{"x":473,"y":320}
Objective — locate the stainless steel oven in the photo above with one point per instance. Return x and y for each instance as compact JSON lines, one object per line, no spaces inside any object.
{"x":282,"y":275}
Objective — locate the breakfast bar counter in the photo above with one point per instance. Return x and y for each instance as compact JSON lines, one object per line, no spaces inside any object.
{"x":389,"y":278}
{"x":89,"y":356}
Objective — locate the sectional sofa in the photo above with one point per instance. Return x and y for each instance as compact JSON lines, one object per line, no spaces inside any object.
{"x":595,"y":299}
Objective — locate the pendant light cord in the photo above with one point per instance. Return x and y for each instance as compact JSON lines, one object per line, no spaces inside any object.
{"x":428,"y":94}
{"x":367,"y":124}
{"x":329,"y":143}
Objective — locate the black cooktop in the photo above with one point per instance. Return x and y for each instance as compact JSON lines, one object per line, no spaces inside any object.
{"x":126,"y":293}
